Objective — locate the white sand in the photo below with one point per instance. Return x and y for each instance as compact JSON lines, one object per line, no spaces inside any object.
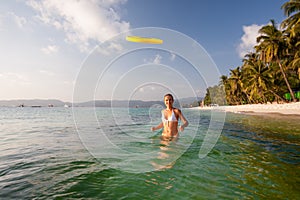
{"x":286,"y":108}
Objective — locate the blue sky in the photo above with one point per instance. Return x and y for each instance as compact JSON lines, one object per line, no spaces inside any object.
{"x":44,"y":44}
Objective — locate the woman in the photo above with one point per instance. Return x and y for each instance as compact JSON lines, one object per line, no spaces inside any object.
{"x":170,"y":117}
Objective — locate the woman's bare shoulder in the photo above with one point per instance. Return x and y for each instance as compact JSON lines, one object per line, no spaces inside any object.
{"x":177,"y":110}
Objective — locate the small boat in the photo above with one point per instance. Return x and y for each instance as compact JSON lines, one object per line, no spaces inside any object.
{"x":36,"y":106}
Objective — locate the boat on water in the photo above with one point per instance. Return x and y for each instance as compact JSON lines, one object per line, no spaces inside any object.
{"x":36,"y":106}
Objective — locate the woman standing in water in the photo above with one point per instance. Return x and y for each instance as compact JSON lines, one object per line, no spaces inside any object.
{"x":170,"y":117}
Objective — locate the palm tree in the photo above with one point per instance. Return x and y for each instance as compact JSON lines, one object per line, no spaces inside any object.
{"x":296,"y":60}
{"x":225,"y":83}
{"x":250,"y":58}
{"x":292,"y":23}
{"x":272,"y":47}
{"x":292,"y":26}
{"x":259,"y":80}
{"x":259,"y":75}
{"x":237,"y":86}
{"x":278,"y":87}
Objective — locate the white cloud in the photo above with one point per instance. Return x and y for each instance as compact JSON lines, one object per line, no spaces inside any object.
{"x":45,"y":72}
{"x":19,"y":21}
{"x":248,"y":40}
{"x":147,"y":89}
{"x":50,"y":49}
{"x":14,"y":79}
{"x":83,"y":21}
{"x":157,"y":59}
{"x":109,"y":48}
{"x":173,"y":56}
{"x":1,"y":20}
{"x":69,"y":83}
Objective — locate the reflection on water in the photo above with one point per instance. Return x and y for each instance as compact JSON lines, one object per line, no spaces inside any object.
{"x":279,"y":134}
{"x":283,"y":126}
{"x":267,"y":153}
{"x":165,"y":159}
{"x":256,"y":157}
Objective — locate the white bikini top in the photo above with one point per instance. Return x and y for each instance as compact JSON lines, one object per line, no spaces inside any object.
{"x":171,"y":118}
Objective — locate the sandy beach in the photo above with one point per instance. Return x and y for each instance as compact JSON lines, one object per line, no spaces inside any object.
{"x":286,"y":108}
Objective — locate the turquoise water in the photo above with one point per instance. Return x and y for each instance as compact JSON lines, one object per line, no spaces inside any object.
{"x":43,"y":156}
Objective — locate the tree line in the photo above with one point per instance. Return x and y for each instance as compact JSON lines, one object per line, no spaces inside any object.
{"x":270,"y":73}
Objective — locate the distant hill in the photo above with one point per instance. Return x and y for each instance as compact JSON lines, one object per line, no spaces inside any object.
{"x":184,"y":102}
{"x":189,"y":100}
{"x":34,"y":102}
{"x":98,"y":103}
{"x":118,"y":103}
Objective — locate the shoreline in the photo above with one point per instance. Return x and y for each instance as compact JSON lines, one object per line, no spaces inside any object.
{"x":284,"y":109}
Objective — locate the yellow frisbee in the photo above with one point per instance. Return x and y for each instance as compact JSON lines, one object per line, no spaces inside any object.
{"x":144,"y":40}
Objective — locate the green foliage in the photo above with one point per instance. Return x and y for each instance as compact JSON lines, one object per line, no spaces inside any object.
{"x":270,"y":72}
{"x":215,"y":95}
{"x":195,"y":103}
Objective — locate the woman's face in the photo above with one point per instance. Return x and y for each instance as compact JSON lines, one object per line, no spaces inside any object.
{"x":168,"y":101}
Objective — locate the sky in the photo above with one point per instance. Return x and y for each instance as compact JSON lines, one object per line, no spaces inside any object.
{"x":46,"y":45}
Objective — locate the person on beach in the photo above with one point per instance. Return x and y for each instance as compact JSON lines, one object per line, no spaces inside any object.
{"x":170,"y":117}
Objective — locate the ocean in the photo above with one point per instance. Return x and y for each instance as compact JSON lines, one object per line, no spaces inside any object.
{"x":110,"y":153}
